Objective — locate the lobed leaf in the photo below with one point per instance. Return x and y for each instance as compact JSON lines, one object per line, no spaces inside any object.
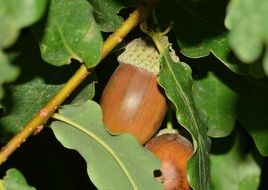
{"x":25,"y":100}
{"x":17,"y":14}
{"x":104,"y":10}
{"x":113,"y":162}
{"x":36,"y":85}
{"x":14,"y":180}
{"x":246,"y":21}
{"x":199,"y":30}
{"x":28,"y":98}
{"x":176,"y":80}
{"x":218,"y":101}
{"x":70,"y":33}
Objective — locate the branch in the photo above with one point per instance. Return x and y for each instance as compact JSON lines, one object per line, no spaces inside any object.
{"x":139,"y":15}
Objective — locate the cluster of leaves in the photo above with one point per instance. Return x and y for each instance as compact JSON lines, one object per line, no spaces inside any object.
{"x":221,"y":99}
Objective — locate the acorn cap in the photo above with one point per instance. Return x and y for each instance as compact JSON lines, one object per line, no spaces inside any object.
{"x":141,"y":54}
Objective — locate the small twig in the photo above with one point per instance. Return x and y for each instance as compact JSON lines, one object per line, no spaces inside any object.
{"x":45,"y":113}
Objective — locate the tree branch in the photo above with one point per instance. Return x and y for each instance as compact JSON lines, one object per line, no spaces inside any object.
{"x":47,"y":111}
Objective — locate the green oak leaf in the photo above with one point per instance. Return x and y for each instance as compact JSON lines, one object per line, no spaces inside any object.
{"x":220,"y":48}
{"x":218,"y":101}
{"x":200,"y":31}
{"x":104,"y":10}
{"x":8,"y":72}
{"x":14,"y":180}
{"x":253,"y":110}
{"x":29,"y":97}
{"x":113,"y":162}
{"x":36,"y":85}
{"x":232,"y":165}
{"x":246,"y":21}
{"x":86,"y":91}
{"x":177,"y":82}
{"x":18,"y":14}
{"x":25,"y":99}
{"x":15,"y":15}
{"x":70,"y":32}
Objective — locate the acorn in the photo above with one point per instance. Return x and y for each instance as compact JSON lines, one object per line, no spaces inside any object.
{"x":132,"y":100}
{"x":174,"y":151}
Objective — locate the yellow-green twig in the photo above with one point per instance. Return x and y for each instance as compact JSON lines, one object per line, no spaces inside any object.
{"x":44,"y":114}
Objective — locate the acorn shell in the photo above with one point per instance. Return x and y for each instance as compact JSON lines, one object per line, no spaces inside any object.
{"x":174,"y":151}
{"x":133,"y":102}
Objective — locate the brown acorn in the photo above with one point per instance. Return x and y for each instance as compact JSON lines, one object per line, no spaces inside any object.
{"x":174,"y":151}
{"x":132,"y":101}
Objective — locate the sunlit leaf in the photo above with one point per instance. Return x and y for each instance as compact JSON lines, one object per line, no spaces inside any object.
{"x":177,"y":82}
{"x":113,"y":162}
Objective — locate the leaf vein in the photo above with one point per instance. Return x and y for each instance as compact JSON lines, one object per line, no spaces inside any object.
{"x":201,"y":160}
{"x":66,"y":45}
{"x":105,"y":145}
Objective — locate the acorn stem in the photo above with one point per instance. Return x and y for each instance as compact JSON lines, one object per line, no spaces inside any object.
{"x":159,"y":38}
{"x":153,"y":35}
{"x":140,"y":14}
{"x":169,"y":125}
